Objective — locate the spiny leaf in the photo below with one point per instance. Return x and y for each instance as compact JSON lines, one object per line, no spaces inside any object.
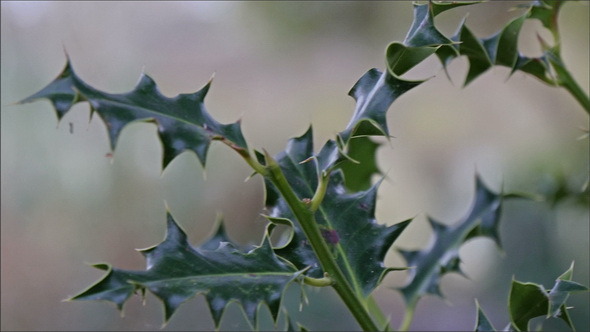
{"x":442,"y":6}
{"x":374,"y":93}
{"x":358,"y":173}
{"x":401,"y":58}
{"x":479,"y":60}
{"x":482,"y":323}
{"x":331,"y":155}
{"x":176,"y":272}
{"x":423,"y":31}
{"x":424,"y":34}
{"x":363,"y":243}
{"x":539,"y":67}
{"x":442,"y":255}
{"x":348,"y":220}
{"x":560,"y":291}
{"x":183,"y":122}
{"x":501,"y":48}
{"x":530,"y":300}
{"x":218,"y":238}
{"x":546,"y":12}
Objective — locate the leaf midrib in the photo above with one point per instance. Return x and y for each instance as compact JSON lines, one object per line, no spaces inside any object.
{"x":242,"y":274}
{"x":349,"y":270}
{"x":148,"y":110}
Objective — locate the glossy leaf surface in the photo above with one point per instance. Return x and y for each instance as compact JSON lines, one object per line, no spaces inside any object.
{"x":501,"y":48}
{"x":183,"y":122}
{"x":374,"y":93}
{"x":176,"y":272}
{"x":442,"y":254}
{"x":530,"y":300}
{"x":347,"y":220}
{"x":358,"y":173}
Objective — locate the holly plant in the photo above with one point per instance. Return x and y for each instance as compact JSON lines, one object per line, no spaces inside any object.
{"x":325,"y":196}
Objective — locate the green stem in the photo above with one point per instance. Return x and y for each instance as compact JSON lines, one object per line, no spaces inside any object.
{"x":377,"y":313}
{"x":320,"y":192}
{"x":256,"y":166}
{"x":408,"y":317}
{"x":565,"y":79}
{"x":327,"y":261}
{"x":568,"y":82}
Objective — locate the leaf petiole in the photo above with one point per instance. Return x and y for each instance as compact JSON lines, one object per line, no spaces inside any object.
{"x":309,"y":225}
{"x":566,"y":80}
{"x":320,"y":192}
{"x":318,"y":282}
{"x":244,"y":153}
{"x":408,"y":317}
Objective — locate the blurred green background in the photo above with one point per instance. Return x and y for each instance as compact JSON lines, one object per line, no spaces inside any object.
{"x":279,"y":66}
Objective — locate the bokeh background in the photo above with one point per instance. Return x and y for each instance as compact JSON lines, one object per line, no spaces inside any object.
{"x":279,"y":66}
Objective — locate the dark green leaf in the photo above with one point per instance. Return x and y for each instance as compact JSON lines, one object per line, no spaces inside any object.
{"x":530,"y":300}
{"x":176,"y":272}
{"x":182,"y":121}
{"x":363,"y":243}
{"x":374,"y":93}
{"x":505,"y":43}
{"x":331,"y":156}
{"x":358,"y":173}
{"x":527,"y":301}
{"x":423,"y":32}
{"x":442,"y":255}
{"x":442,"y":6}
{"x":561,"y":290}
{"x":347,"y":220}
{"x":546,"y":12}
{"x":471,"y":47}
{"x":401,"y":58}
{"x":218,"y":238}
{"x":538,"y":67}
{"x":502,"y":47}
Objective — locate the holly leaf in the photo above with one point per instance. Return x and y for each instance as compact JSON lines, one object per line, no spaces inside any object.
{"x":442,"y":254}
{"x":501,"y":48}
{"x":529,"y":300}
{"x":177,"y":271}
{"x":540,"y":67}
{"x":359,"y":171}
{"x":401,"y":58}
{"x":482,"y":323}
{"x":472,"y":47}
{"x":374,"y":92}
{"x":423,"y":32}
{"x":546,"y":12}
{"x":347,"y":220}
{"x":183,"y":122}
